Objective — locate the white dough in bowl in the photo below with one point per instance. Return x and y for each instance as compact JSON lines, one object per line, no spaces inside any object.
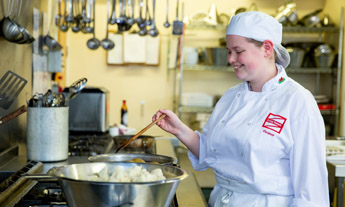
{"x":132,"y":174}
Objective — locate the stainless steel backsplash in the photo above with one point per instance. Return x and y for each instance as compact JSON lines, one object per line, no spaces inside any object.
{"x":17,"y":58}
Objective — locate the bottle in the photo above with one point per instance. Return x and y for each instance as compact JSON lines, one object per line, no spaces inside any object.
{"x":124,"y":113}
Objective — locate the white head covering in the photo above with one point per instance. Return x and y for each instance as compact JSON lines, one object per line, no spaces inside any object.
{"x":260,"y":26}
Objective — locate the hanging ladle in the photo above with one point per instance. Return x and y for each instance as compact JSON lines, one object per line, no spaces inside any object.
{"x":93,"y":43}
{"x":141,"y":21}
{"x":10,"y":29}
{"x":131,"y":20}
{"x":166,"y":23}
{"x":106,"y":42}
{"x":112,"y":20}
{"x":153,"y":31}
{"x":48,"y":40}
{"x":75,"y":89}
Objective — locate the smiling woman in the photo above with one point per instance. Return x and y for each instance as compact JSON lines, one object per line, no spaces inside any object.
{"x":260,"y":130}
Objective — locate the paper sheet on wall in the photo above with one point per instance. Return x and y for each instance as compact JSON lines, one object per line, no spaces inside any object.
{"x":134,"y":48}
{"x":36,"y":30}
{"x":39,"y":62}
{"x":152,"y":50}
{"x":40,"y":82}
{"x":115,"y":55}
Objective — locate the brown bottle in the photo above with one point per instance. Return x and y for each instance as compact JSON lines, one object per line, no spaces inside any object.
{"x":124,"y":113}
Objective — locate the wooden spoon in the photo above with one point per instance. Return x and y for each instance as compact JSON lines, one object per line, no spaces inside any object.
{"x":139,"y":133}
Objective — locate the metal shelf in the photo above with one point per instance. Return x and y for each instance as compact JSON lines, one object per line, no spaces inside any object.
{"x":200,"y":67}
{"x":294,"y":29}
{"x":195,"y":109}
{"x":302,"y":29}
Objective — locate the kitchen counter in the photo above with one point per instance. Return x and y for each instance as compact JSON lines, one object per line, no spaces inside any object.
{"x":188,"y":191}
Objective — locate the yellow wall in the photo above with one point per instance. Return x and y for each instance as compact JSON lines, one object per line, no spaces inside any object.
{"x":151,"y":84}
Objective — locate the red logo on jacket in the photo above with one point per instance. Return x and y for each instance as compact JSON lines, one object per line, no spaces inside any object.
{"x":274,"y":122}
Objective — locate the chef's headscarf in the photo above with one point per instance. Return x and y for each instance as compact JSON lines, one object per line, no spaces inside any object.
{"x":260,"y":26}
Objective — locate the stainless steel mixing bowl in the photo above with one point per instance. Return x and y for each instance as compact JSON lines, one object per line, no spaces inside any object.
{"x":79,"y":190}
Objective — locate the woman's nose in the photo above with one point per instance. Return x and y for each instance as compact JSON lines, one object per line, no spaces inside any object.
{"x":231,"y":58}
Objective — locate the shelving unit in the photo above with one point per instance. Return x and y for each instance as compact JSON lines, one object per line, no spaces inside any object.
{"x":333,"y":73}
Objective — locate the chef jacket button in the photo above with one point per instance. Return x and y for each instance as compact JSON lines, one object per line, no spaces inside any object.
{"x":238,"y":95}
{"x":223,"y":121}
{"x":249,"y":123}
{"x":266,"y":99}
{"x":241,"y":154}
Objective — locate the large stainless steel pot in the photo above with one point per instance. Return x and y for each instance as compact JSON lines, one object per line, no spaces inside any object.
{"x":79,"y":190}
{"x":123,"y":157}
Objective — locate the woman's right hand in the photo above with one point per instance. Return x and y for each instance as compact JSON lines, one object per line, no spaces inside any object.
{"x":171,"y":123}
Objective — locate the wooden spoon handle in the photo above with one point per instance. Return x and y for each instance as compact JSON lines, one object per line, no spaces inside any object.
{"x":13,"y":114}
{"x":139,"y":133}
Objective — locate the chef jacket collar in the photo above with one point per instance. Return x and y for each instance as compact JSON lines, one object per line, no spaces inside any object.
{"x":275,"y":82}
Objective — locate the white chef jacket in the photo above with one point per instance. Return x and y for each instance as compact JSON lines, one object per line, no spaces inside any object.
{"x":271,"y":142}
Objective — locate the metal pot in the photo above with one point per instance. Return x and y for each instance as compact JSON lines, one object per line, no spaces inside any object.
{"x":296,"y":56}
{"x":125,"y":157}
{"x":79,"y":190}
{"x":141,"y":143}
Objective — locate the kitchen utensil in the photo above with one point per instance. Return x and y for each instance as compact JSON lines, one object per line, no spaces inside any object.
{"x":106,"y":42}
{"x":153,"y":31}
{"x":11,"y":84}
{"x":121,"y":21}
{"x":166,"y":23}
{"x":130,"y":20}
{"x":112,"y":19}
{"x":125,"y":157}
{"x":75,"y":89}
{"x":10,"y":29}
{"x":141,"y":21}
{"x":48,"y":40}
{"x":64,"y":26}
{"x":93,"y":43}
{"x":47,"y":133}
{"x":80,"y":190}
{"x":58,"y":15}
{"x":177,"y":24}
{"x":147,"y":15}
{"x":139,"y":133}
{"x":13,"y":114}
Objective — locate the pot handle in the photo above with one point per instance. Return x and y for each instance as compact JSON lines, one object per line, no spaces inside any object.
{"x":40,"y":177}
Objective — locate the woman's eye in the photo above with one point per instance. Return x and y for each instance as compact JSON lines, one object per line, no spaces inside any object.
{"x":239,"y":52}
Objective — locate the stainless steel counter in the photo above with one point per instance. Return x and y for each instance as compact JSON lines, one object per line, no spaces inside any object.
{"x":188,"y":192}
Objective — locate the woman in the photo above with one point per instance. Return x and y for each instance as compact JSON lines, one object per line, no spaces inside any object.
{"x":265,"y":139}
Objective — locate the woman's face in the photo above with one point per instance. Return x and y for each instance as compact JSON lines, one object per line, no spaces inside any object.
{"x":246,"y":58}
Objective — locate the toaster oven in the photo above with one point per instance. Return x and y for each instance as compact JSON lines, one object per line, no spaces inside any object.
{"x":88,"y":111}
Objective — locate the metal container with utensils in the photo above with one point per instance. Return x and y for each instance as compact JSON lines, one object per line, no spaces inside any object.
{"x":47,"y":133}
{"x":80,"y":190}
